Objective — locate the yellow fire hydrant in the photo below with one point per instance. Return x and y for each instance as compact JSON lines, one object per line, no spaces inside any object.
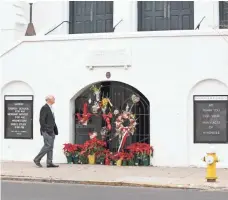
{"x":211,"y":159}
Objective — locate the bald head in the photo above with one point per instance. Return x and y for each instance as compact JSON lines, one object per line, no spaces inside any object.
{"x":50,"y":99}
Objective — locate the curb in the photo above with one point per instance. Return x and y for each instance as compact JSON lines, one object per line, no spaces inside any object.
{"x":103,"y":183}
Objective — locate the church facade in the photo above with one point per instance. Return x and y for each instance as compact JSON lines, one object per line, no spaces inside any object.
{"x":179,"y":78}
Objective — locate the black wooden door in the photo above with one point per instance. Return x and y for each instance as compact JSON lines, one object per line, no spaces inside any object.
{"x":151,"y":16}
{"x":165,"y":15}
{"x":91,"y":16}
{"x":180,"y":15}
{"x":223,"y":14}
{"x":103,"y":16}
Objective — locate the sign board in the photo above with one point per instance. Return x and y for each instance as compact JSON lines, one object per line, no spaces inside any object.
{"x":108,"y":57}
{"x":210,"y":119}
{"x":18,"y":116}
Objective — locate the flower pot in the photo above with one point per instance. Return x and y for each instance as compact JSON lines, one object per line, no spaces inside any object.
{"x":75,"y":159}
{"x":83,"y":159}
{"x":69,"y":159}
{"x":124,"y":163}
{"x":131,"y":163}
{"x":137,"y":161}
{"x":100,"y":161}
{"x":107,"y":161}
{"x":146,"y":161}
{"x":119,"y":162}
{"x":91,"y":159}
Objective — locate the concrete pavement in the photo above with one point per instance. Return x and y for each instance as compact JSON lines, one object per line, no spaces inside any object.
{"x":113,"y":175}
{"x":44,"y":191}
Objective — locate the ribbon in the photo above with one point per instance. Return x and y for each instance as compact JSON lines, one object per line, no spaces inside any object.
{"x":123,"y":140}
{"x":85,"y":116}
{"x":107,"y":120}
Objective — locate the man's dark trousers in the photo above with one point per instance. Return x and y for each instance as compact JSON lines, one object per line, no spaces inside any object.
{"x":47,"y":148}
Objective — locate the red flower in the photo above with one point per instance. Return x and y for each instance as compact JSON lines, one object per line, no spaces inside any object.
{"x":94,"y":145}
{"x":140,"y":148}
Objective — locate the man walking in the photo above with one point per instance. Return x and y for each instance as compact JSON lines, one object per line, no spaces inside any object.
{"x":48,"y":130}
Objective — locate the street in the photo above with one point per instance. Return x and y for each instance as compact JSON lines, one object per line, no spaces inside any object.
{"x":45,"y":191}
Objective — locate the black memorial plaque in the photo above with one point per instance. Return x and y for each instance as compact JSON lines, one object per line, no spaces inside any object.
{"x":18,"y":117}
{"x":210,"y":119}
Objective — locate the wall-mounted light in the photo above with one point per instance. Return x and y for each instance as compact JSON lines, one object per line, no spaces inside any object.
{"x":30,"y":29}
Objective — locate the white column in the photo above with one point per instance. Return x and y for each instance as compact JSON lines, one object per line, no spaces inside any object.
{"x":209,"y":9}
{"x":127,"y":11}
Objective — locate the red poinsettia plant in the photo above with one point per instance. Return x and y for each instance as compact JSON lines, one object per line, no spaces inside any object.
{"x":72,"y":149}
{"x":77,"y":148}
{"x":68,"y":149}
{"x":93,"y":146}
{"x":123,"y":156}
{"x":141,"y":149}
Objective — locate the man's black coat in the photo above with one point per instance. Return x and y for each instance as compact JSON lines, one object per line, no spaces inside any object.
{"x":47,"y":121}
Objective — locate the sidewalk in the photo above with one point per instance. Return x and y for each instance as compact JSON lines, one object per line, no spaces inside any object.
{"x":113,"y":175}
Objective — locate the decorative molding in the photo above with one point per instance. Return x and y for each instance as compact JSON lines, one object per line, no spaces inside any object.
{"x":91,"y":67}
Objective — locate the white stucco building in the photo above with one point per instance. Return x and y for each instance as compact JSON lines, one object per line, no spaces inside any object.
{"x":180,"y":73}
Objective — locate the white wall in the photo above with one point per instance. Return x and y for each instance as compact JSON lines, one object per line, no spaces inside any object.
{"x":48,"y":14}
{"x":166,"y":66}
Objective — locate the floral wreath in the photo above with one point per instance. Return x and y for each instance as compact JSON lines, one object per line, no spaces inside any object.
{"x":126,"y":122}
{"x":125,"y":126}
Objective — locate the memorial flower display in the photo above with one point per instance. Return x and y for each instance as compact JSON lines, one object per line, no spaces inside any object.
{"x":95,"y":150}
{"x":118,"y":123}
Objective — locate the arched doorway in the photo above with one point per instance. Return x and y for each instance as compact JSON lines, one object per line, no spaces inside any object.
{"x":120,"y":96}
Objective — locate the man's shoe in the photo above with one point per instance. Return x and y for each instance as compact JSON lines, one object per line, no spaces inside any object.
{"x":37,"y":163}
{"x":52,"y":165}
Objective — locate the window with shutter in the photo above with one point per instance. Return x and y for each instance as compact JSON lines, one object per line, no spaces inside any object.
{"x":91,"y":17}
{"x":223,"y":14}
{"x":165,"y":15}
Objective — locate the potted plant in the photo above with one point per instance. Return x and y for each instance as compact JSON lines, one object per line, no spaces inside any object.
{"x":77,"y":148}
{"x":68,"y":151}
{"x":141,"y":152}
{"x":83,"y":157}
{"x":125,"y":158}
{"x":130,"y":159}
{"x":100,"y":157}
{"x":118,"y":158}
{"x":92,"y":147}
{"x":147,"y":151}
{"x":109,"y":159}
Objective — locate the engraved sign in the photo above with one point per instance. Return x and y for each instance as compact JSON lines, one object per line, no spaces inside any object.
{"x":18,"y":117}
{"x":109,"y":57}
{"x":210,"y":119}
